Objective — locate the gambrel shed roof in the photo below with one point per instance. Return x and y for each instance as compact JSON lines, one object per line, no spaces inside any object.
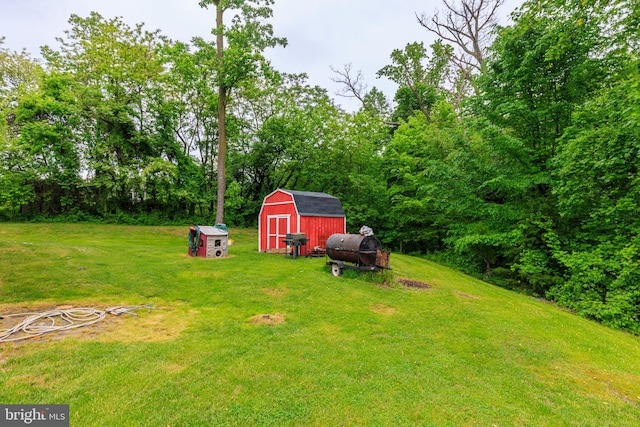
{"x":316,"y":204}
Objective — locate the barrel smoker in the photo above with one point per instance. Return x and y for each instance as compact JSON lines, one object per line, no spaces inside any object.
{"x":364,"y":252}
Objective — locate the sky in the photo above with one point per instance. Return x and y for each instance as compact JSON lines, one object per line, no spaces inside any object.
{"x":321,"y":34}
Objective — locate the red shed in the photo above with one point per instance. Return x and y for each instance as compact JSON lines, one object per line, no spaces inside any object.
{"x":318,"y":215}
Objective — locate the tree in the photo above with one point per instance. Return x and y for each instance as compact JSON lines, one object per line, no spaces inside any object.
{"x":597,"y":182}
{"x":45,"y":121}
{"x":114,"y":73}
{"x":453,"y":188}
{"x":540,"y":70}
{"x":191,"y":96}
{"x":20,"y":77}
{"x":420,"y":83}
{"x":562,"y":80}
{"x":469,"y":27}
{"x":248,"y":35}
{"x":352,"y":85}
{"x":292,"y":135}
{"x":19,"y":72}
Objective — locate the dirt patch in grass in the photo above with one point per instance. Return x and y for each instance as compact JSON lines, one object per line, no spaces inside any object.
{"x":276,"y":251}
{"x":620,"y":386}
{"x":173,"y":368}
{"x":383,"y":309}
{"x":468,"y":296}
{"x":32,"y":380}
{"x":3,"y":361}
{"x":202,"y":274}
{"x":411,"y":283}
{"x":607,"y":385}
{"x":275,"y":293}
{"x":175,"y":231}
{"x":156,"y":324}
{"x":268,"y":319}
{"x":17,"y":250}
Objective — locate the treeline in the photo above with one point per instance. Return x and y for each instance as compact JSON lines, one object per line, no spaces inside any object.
{"x":518,"y":163}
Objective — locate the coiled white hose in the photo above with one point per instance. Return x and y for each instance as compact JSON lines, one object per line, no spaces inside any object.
{"x":36,"y":324}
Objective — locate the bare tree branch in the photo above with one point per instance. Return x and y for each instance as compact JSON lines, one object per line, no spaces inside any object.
{"x":352,"y":86}
{"x":466,"y":25}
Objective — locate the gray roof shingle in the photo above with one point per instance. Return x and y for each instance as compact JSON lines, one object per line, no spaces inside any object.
{"x":316,"y":204}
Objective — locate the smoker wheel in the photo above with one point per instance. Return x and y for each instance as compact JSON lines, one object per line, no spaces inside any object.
{"x":336,"y":270}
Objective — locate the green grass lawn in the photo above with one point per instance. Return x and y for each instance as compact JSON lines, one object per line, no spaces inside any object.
{"x":332,"y":351}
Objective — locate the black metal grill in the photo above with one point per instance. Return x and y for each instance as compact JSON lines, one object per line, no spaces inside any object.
{"x":296,"y":241}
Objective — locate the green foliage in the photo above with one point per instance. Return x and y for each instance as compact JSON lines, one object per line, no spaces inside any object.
{"x":420,"y":83}
{"x":574,"y":192}
{"x":454,"y":187}
{"x":20,"y":76}
{"x":598,"y":189}
{"x":115,"y":71}
{"x":539,"y":71}
{"x":239,"y":210}
{"x":16,"y":192}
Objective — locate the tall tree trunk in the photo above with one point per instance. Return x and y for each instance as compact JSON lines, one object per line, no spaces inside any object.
{"x":222,"y":126}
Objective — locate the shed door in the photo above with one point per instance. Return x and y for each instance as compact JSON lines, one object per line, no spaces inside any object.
{"x":277,"y":228}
